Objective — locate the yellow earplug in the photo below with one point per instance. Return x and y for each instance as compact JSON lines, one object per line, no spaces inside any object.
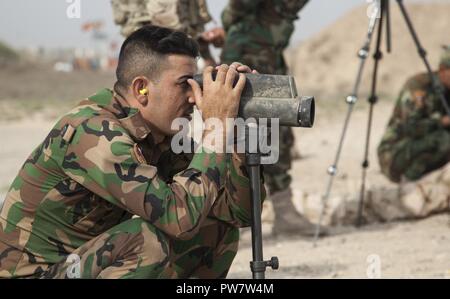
{"x":143,"y":91}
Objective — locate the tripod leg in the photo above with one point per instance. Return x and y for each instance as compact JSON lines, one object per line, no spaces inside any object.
{"x":388,"y":28}
{"x":257,"y":248}
{"x":363,"y":53}
{"x":372,"y":100}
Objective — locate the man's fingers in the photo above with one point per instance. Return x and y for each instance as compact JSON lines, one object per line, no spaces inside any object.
{"x":235,"y":64}
{"x":198,"y":94}
{"x":231,"y":75}
{"x":207,"y":75}
{"x":221,"y":73}
{"x":241,"y":68}
{"x":240,"y":84}
{"x":244,"y":69}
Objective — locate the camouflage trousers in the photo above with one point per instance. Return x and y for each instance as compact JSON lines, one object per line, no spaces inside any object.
{"x":136,"y":249}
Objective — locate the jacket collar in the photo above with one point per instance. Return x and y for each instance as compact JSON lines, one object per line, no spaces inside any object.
{"x":130,"y":118}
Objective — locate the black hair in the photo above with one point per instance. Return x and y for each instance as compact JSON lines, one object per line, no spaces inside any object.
{"x":143,"y":53}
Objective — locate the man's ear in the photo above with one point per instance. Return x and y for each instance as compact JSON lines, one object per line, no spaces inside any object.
{"x":140,"y":89}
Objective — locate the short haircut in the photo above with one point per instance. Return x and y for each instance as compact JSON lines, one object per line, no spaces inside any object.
{"x":144,"y":53}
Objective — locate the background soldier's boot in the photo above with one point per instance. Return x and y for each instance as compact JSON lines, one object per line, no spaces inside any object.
{"x":287,"y":220}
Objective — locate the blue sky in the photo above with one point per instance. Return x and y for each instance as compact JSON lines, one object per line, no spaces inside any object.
{"x":45,"y":22}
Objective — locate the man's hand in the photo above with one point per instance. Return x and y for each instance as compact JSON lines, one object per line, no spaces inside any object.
{"x":219,"y":99}
{"x":445,"y":121}
{"x":215,"y":36}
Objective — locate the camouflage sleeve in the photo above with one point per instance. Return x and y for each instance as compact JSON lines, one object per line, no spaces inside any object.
{"x":237,"y":9}
{"x":234,"y":204}
{"x":418,"y":117}
{"x":101,"y":158}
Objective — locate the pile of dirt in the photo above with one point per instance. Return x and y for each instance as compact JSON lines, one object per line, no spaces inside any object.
{"x":326,"y":65}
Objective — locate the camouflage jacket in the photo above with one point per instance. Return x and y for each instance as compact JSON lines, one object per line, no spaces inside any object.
{"x":97,"y":167}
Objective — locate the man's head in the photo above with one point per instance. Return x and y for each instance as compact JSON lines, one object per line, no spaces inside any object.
{"x":154,"y":66}
{"x":444,"y":67}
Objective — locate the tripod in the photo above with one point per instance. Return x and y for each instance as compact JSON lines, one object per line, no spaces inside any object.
{"x":382,"y":14}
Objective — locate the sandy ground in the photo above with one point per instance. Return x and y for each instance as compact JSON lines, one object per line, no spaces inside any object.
{"x":403,"y":249}
{"x":416,"y":249}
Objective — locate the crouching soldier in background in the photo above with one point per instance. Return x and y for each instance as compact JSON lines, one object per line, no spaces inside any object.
{"x":415,"y":150}
{"x":413,"y":154}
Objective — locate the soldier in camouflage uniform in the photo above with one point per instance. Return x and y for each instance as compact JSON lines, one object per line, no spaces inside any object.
{"x":257,"y":33}
{"x":415,"y":151}
{"x":110,"y":158}
{"x":189,"y":16}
